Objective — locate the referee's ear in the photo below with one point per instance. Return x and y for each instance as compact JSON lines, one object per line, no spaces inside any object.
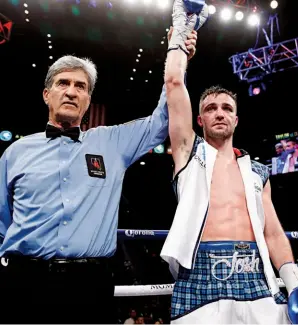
{"x":45,"y":95}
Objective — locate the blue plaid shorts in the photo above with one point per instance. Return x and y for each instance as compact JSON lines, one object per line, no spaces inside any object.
{"x":222,"y":270}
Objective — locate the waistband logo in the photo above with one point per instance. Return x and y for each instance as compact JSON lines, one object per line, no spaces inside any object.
{"x":240,"y":264}
{"x":132,"y":233}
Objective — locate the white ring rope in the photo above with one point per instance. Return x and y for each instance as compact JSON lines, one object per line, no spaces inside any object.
{"x":154,"y":289}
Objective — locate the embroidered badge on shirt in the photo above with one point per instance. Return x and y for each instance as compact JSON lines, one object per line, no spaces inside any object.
{"x":96,"y":166}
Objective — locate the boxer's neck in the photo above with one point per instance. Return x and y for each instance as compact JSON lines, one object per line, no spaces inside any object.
{"x":224,"y":147}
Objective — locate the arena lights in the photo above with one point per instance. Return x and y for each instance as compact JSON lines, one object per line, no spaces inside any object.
{"x":212,"y":9}
{"x":253,"y":20}
{"x":50,"y":46}
{"x":273,"y":4}
{"x":256,"y":88}
{"x":5,"y":135}
{"x":163,"y":4}
{"x":160,"y":4}
{"x":226,"y":14}
{"x":239,"y":15}
{"x":139,"y":55}
{"x":26,"y":11}
{"x":249,"y":11}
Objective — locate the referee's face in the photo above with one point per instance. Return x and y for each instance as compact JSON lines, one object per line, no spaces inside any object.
{"x":68,"y":99}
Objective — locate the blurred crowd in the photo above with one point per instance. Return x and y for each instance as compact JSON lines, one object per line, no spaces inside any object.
{"x":286,"y":160}
{"x":155,"y":310}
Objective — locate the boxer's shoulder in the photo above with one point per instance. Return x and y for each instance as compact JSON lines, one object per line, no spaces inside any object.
{"x":261,"y":170}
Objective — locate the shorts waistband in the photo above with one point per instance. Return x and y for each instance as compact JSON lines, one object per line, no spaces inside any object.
{"x":227,"y":245}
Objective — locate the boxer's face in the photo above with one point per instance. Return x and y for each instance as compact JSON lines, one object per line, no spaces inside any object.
{"x":218,"y":116}
{"x":68,"y":98}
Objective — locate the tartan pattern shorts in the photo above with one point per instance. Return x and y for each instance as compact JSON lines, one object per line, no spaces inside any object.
{"x":231,"y":273}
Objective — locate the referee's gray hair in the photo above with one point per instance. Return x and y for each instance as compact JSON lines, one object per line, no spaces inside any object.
{"x":70,"y":62}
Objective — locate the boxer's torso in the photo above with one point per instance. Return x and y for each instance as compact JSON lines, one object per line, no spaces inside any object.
{"x":228,"y":217}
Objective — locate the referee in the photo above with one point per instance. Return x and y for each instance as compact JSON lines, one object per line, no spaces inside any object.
{"x":59,"y":200}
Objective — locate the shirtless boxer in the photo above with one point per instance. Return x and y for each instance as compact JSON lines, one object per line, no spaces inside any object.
{"x":225,"y":229}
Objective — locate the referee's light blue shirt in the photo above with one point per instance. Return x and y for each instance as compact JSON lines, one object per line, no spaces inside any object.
{"x":51,"y":207}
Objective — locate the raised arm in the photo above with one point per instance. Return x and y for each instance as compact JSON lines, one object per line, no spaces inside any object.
{"x":137,"y":137}
{"x":179,"y":106}
{"x":187,"y":17}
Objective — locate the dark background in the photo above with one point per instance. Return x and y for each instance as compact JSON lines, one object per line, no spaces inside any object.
{"x":112,"y":37}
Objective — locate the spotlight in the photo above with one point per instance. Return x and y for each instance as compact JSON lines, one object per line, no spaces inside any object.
{"x":137,"y":60}
{"x":27,"y":20}
{"x":33,"y":65}
{"x":5,"y":136}
{"x":49,"y":35}
{"x":131,"y":78}
{"x":134,"y":70}
{"x":274,"y":4}
{"x":162,"y":4}
{"x":142,"y":163}
{"x":150,"y":71}
{"x":141,"y":50}
{"x":239,"y":15}
{"x":211,"y":9}
{"x":25,"y":5}
{"x":256,"y":89}
{"x":253,"y":20}
{"x":139,"y":55}
{"x":226,"y":14}
{"x":26,"y":12}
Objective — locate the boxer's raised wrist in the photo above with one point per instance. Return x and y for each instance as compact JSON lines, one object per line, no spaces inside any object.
{"x":288,"y":272}
{"x":178,"y":40}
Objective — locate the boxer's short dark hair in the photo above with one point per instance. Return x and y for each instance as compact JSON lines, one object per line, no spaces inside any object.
{"x":216,"y":90}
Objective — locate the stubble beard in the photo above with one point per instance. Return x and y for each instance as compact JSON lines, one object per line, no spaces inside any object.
{"x":219,"y":135}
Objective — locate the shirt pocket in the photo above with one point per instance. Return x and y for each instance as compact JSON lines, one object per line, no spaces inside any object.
{"x":93,"y":181}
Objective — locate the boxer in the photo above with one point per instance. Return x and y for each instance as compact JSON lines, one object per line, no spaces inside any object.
{"x":225,"y":228}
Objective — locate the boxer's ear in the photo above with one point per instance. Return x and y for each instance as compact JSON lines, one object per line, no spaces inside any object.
{"x":236,"y":121}
{"x":199,"y":121}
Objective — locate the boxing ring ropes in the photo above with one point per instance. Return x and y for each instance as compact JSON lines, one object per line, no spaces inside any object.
{"x":159,"y":289}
